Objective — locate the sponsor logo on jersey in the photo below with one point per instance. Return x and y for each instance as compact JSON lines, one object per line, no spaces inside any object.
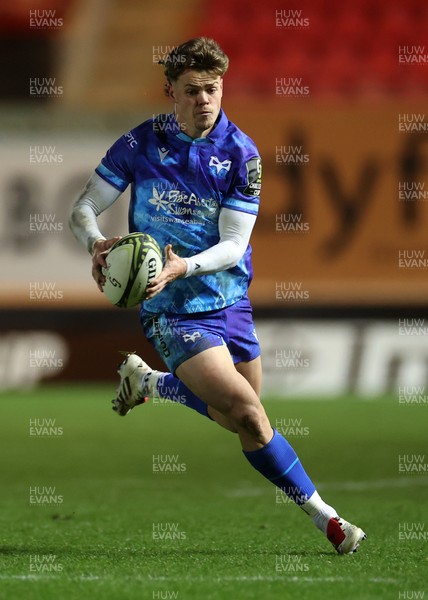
{"x":159,"y":200}
{"x":130,"y":139}
{"x":163,"y":152}
{"x":179,"y":203}
{"x":219,"y":168}
{"x":254,"y":177}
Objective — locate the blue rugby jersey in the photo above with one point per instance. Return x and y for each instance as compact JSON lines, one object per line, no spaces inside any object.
{"x":178,"y":185}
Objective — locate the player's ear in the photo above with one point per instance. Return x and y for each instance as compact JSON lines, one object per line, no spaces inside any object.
{"x":169,"y":92}
{"x":221,"y":86}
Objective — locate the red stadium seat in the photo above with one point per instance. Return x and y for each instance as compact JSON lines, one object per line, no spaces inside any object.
{"x":345,"y":49}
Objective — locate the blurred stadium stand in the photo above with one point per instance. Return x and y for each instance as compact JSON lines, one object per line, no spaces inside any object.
{"x":118,"y":72}
{"x":25,"y":50}
{"x":345,"y":50}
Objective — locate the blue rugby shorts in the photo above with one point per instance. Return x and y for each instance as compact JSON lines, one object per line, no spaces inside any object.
{"x":178,"y":337}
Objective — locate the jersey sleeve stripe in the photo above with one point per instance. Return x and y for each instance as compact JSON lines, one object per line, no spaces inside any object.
{"x":114,"y":180}
{"x":251,"y":208}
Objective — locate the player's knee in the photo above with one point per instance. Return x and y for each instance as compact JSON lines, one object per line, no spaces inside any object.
{"x":219,"y":418}
{"x":249,"y":419}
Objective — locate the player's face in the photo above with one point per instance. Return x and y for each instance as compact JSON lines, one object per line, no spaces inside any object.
{"x":197,"y":97}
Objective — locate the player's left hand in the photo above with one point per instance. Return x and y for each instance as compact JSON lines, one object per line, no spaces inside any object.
{"x":174,"y":268}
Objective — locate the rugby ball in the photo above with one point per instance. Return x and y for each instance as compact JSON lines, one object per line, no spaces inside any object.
{"x":132,"y":263}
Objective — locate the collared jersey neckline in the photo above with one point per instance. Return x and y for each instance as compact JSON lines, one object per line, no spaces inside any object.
{"x":216,"y":133}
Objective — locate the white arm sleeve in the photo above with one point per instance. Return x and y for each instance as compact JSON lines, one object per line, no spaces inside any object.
{"x":96,"y":197}
{"x":235,"y":228}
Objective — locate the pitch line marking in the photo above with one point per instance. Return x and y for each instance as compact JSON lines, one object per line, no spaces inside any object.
{"x":347,"y":486}
{"x":150,"y":578}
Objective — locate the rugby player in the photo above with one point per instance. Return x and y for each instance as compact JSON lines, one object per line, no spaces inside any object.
{"x":195,"y":187}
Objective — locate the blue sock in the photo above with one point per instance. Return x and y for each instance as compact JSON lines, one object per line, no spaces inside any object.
{"x":169,"y":386}
{"x":278,"y":462}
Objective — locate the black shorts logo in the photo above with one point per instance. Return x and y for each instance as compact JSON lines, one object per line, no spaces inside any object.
{"x":157,"y":333}
{"x":254,"y":177}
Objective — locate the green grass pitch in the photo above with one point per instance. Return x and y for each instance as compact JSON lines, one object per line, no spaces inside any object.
{"x":86,"y":513}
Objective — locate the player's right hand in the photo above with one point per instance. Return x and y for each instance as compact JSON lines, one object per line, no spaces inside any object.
{"x":173,"y":268}
{"x":99,"y":252}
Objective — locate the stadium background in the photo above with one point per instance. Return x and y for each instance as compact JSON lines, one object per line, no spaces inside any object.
{"x":334,"y":95}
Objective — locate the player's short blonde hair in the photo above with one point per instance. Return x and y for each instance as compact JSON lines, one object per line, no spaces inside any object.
{"x":201,"y":54}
